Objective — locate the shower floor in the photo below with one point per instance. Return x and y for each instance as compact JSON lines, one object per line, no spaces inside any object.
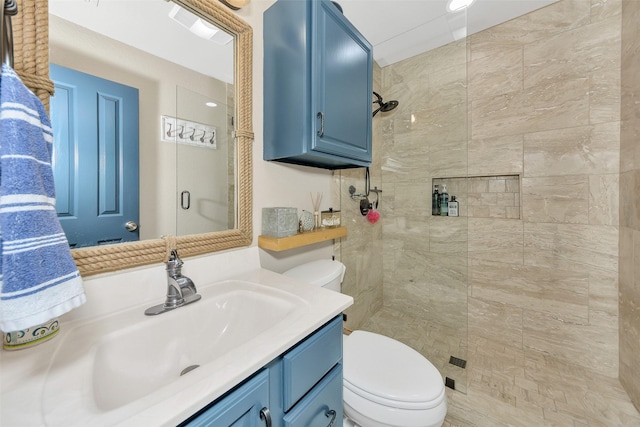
{"x":510,"y":387}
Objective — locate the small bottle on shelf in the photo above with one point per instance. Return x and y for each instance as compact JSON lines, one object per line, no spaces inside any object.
{"x":453,"y":206}
{"x":444,"y":201}
{"x":435,"y":201}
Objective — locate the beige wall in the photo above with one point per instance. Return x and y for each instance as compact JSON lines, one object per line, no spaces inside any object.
{"x":630,"y":203}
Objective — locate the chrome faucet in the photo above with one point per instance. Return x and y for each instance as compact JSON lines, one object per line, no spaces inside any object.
{"x":180,"y":289}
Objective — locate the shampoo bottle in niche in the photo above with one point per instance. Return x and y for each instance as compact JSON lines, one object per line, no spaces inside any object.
{"x":444,"y":201}
{"x":453,"y":206}
{"x":435,"y":201}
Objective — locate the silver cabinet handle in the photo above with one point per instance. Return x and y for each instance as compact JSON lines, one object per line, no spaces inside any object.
{"x":265,"y":415}
{"x":321,"y":117}
{"x":186,"y":205}
{"x":331,"y":414}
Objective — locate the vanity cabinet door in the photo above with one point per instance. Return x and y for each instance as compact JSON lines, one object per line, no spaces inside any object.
{"x":308,"y":362}
{"x":318,"y":83}
{"x":246,"y":406}
{"x":322,"y":406}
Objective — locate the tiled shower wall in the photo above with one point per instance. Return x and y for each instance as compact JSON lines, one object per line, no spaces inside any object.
{"x":424,"y":142}
{"x":544,"y":101}
{"x":630,"y":203}
{"x":542,"y":97}
{"x":361,"y":251}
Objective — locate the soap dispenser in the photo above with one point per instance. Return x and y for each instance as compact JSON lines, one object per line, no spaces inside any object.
{"x":444,"y":201}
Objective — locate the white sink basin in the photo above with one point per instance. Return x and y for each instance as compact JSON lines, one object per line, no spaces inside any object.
{"x":125,"y":356}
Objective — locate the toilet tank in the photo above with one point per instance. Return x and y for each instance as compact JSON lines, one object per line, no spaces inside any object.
{"x":323,"y":272}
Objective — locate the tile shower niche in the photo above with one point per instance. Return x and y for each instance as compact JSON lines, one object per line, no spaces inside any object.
{"x":495,"y":196}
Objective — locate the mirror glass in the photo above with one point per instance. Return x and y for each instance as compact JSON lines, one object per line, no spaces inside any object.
{"x":187,"y":166}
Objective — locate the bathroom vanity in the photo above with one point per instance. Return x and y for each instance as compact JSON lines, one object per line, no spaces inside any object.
{"x":255,"y":340}
{"x":303,"y":387}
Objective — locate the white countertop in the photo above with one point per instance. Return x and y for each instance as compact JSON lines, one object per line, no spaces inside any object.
{"x":24,"y":373}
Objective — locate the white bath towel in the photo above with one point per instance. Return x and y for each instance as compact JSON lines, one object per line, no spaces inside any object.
{"x":39,"y":279}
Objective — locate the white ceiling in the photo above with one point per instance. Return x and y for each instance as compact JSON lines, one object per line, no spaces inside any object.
{"x":397,"y":29}
{"x":145,"y":24}
{"x":400,"y":29}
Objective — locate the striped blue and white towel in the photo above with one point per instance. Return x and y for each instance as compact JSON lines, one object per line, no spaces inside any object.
{"x":39,"y":279}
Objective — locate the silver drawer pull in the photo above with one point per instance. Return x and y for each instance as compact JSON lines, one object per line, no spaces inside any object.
{"x":265,"y":415}
{"x":331,"y":414}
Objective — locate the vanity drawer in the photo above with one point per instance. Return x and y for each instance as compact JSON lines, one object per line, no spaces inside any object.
{"x":321,"y":406}
{"x":307,"y":363}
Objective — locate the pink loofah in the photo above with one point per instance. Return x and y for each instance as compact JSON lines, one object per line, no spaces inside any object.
{"x":373,"y":216}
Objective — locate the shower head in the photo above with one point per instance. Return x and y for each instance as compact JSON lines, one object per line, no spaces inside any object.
{"x":383,"y":106}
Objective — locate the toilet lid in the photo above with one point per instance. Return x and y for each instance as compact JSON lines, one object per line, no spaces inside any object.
{"x":319,"y":272}
{"x":389,"y":372}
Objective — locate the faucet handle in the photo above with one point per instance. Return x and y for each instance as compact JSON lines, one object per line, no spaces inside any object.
{"x":174,"y":260}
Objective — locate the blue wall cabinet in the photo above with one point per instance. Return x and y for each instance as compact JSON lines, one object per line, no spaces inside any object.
{"x":300,"y":388}
{"x":318,"y":83}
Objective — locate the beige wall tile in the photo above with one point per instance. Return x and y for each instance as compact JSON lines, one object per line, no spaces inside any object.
{"x":630,"y":87}
{"x":496,"y":240}
{"x":586,"y":345}
{"x":496,"y":74}
{"x":629,"y":338}
{"x":603,"y":9}
{"x":407,"y":158}
{"x":574,"y":247}
{"x":604,"y":96}
{"x":604,"y":199}
{"x":603,"y":299}
{"x":447,"y":86}
{"x":448,"y":235}
{"x":498,"y":155}
{"x":411,"y":230}
{"x":564,"y":294}
{"x":541,"y":107}
{"x":573,"y":151}
{"x":629,"y":199}
{"x":499,"y":323}
{"x":448,"y":158}
{"x":538,"y":25}
{"x":562,"y":199}
{"x":573,"y":54}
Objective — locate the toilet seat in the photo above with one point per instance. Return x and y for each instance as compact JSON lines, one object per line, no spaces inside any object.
{"x":390,"y":373}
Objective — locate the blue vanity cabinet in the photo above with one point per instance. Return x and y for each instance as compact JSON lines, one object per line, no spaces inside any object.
{"x":318,"y":85}
{"x":300,"y":388}
{"x":246,"y":406}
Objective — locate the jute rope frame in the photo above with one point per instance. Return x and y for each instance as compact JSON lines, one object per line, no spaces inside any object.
{"x":31,"y":62}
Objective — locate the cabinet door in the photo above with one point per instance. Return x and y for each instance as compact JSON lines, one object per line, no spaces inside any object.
{"x":343,"y":85}
{"x":241,"y":408}
{"x":322,"y":406}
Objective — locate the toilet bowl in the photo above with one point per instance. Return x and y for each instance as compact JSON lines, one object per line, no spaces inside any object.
{"x":386,"y":383}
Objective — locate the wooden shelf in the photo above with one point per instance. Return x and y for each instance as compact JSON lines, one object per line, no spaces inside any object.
{"x":278,"y":244}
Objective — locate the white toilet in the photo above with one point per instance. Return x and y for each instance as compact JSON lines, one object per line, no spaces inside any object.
{"x":386,"y":383}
